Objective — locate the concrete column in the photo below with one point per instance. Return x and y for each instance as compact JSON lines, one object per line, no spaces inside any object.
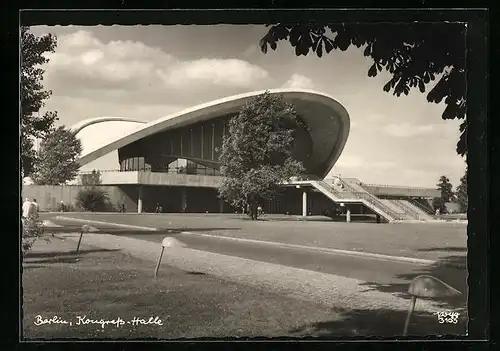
{"x":202,"y":141}
{"x":139,"y":200}
{"x":348,"y":215}
{"x":182,"y":154}
{"x":304,"y":202}
{"x":191,"y":142}
{"x":184,"y":199}
{"x":213,"y":140}
{"x":221,"y":205}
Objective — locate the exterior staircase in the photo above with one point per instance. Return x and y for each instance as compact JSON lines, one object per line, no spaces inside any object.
{"x":410,"y":210}
{"x":398,"y":209}
{"x":370,"y":201}
{"x":352,"y":195}
{"x":422,"y":213}
{"x":352,"y":191}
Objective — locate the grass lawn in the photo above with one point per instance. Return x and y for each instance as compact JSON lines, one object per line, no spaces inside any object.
{"x":109,"y":285}
{"x":421,"y":240}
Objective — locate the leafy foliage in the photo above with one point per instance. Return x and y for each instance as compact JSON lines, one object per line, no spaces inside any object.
{"x":57,"y":158}
{"x":461,"y":194}
{"x":92,"y":199}
{"x":256,"y":155}
{"x":413,"y":53}
{"x":31,"y":231}
{"x":447,"y":194}
{"x":33,"y":94}
{"x":93,"y":178}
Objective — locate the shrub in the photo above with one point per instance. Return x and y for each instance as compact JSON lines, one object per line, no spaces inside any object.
{"x":31,"y":231}
{"x":92,"y":199}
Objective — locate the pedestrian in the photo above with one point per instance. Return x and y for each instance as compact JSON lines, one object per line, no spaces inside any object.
{"x":36,"y":208}
{"x":122,"y":208}
{"x":26,"y":208}
{"x":62,"y":207}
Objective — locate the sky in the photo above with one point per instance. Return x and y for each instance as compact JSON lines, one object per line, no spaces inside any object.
{"x":148,"y":72}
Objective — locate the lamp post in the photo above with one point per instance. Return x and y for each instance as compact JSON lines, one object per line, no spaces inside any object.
{"x":427,"y":286}
{"x":85,"y":229}
{"x":168,"y":242}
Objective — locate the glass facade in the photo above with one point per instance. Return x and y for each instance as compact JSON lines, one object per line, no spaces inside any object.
{"x":183,"y":166}
{"x":180,"y":166}
{"x":185,"y":150}
{"x":134,"y":164}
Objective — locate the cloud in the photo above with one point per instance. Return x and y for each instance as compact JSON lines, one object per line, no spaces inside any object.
{"x":81,"y":55}
{"x":151,"y":71}
{"x":298,"y":81}
{"x":228,"y":72}
{"x":125,"y":70}
{"x":74,"y":109}
{"x":405,"y":130}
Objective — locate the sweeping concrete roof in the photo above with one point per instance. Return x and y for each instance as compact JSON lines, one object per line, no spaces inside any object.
{"x":327,"y":119}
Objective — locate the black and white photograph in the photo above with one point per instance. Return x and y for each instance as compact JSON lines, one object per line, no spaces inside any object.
{"x":244,"y":180}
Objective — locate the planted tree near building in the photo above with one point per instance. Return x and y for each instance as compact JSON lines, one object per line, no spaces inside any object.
{"x":414,"y":54}
{"x":33,"y":96}
{"x":447,"y":195}
{"x":92,"y":178}
{"x":256,"y":155}
{"x":461,"y":194}
{"x":93,"y":199}
{"x":57,"y":158}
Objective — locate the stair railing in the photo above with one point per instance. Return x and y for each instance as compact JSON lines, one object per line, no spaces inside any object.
{"x":408,"y":209}
{"x":374,"y":201}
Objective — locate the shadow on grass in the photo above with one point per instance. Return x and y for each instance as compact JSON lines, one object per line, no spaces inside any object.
{"x":295,"y":218}
{"x":65,"y":259}
{"x":449,"y":249}
{"x":381,"y":323}
{"x":456,"y":277}
{"x":34,"y":258}
{"x":128,"y":231}
{"x":390,"y":323}
{"x":195,"y":273}
{"x":186,"y":229}
{"x":28,"y":266}
{"x":51,"y":254}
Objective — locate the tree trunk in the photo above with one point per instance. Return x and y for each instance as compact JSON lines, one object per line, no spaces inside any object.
{"x":254,"y":210}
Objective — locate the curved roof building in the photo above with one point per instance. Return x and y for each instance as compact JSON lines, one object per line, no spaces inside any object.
{"x":171,"y":162}
{"x":195,"y":134}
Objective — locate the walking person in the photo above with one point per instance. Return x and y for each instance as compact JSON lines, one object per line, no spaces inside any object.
{"x":30,"y":212}
{"x":36,"y":208}
{"x":27,"y":208}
